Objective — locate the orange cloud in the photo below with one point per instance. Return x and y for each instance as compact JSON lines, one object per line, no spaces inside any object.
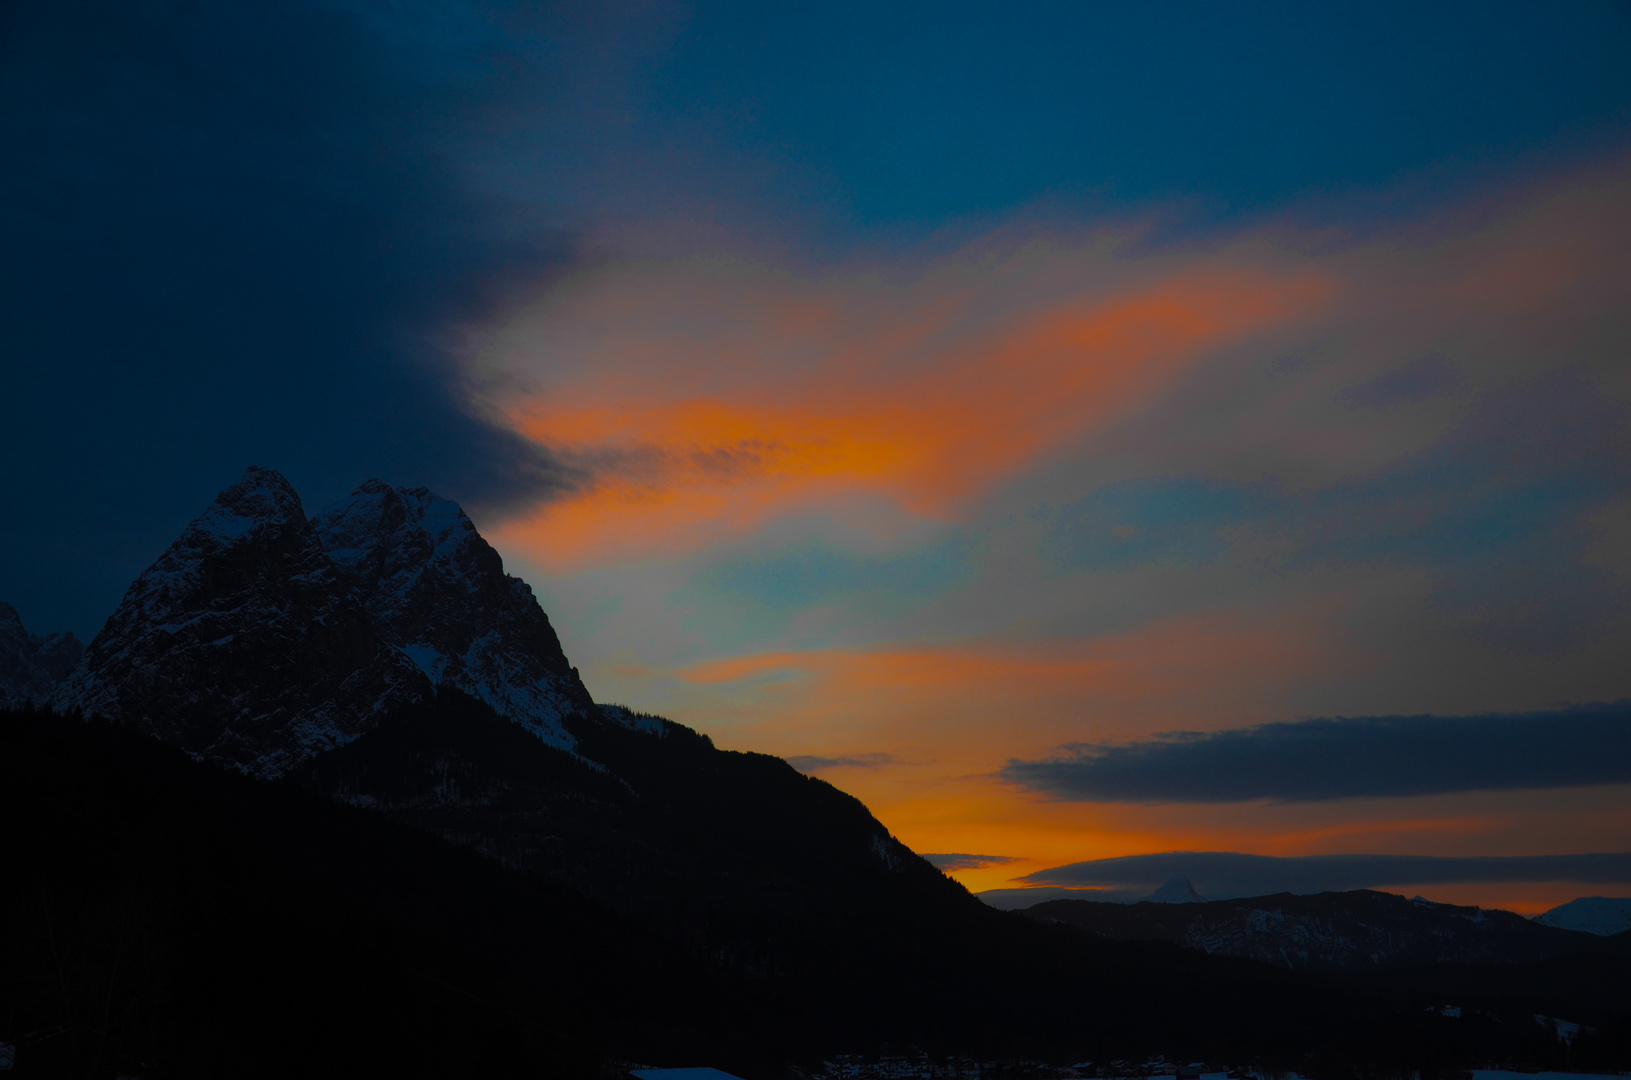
{"x":913,"y":405}
{"x":973,"y":700}
{"x":948,"y":716}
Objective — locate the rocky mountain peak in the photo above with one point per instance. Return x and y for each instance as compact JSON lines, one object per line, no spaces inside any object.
{"x":394,"y":544}
{"x":243,"y":643}
{"x":438,"y":591}
{"x":31,"y":666}
{"x":261,"y":498}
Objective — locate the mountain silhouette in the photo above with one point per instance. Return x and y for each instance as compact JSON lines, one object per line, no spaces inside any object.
{"x":377,"y":663}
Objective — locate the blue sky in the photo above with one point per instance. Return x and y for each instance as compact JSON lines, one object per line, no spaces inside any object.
{"x":922,"y":387}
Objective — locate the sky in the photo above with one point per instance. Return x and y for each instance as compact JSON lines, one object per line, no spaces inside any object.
{"x":1086,"y":433}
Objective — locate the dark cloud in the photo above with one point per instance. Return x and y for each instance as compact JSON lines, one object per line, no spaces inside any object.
{"x":958,"y":861}
{"x":1224,"y":874}
{"x":812,"y":763}
{"x":1346,"y":758}
{"x":233,"y":233}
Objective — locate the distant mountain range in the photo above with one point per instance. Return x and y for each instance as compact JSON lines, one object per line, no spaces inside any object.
{"x":377,"y":655}
{"x":1355,"y":930}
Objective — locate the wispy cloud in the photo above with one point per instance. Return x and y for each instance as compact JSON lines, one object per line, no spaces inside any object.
{"x":708,"y":395}
{"x":959,"y":861}
{"x":1377,"y":502}
{"x":1224,"y":874}
{"x":809,"y":763}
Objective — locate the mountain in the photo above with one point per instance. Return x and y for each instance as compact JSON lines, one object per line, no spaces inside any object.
{"x":166,"y":917}
{"x":1355,"y":930}
{"x":377,"y":663}
{"x":243,"y":643}
{"x":780,"y":877}
{"x":261,"y":638}
{"x":1602,"y":915}
{"x":31,"y":666}
{"x":163,"y":917}
{"x":1179,"y":890}
{"x":438,"y":591}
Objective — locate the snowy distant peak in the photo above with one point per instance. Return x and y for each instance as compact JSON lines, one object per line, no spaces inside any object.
{"x":31,"y":666}
{"x":1603,"y":915}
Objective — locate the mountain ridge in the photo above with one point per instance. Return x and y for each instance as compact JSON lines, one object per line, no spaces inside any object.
{"x":241,"y":644}
{"x":261,"y":637}
{"x":437,"y":590}
{"x":1356,"y":930}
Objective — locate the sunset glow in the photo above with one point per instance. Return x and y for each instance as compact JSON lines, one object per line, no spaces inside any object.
{"x":988,"y":438}
{"x":1017,"y":419}
{"x":905,"y":407}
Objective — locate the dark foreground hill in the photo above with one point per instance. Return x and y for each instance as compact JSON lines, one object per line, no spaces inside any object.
{"x":1349,"y":931}
{"x":165,"y":917}
{"x":404,"y":839}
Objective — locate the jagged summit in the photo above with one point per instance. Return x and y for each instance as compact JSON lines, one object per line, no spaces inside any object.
{"x":243,"y":643}
{"x":261,"y":499}
{"x":262,"y":637}
{"x":438,"y":591}
{"x":31,"y":666}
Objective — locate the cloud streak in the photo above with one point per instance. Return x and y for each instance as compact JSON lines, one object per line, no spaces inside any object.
{"x":959,"y":861}
{"x":1225,"y":874}
{"x":810,"y":763}
{"x":1347,"y":758}
{"x":709,"y":395}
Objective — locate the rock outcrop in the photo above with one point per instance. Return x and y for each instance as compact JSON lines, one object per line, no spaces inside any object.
{"x":436,"y":590}
{"x":244,"y":644}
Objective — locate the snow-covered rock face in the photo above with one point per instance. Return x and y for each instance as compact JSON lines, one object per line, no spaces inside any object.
{"x":31,"y":666}
{"x":244,"y":643}
{"x":436,"y":590}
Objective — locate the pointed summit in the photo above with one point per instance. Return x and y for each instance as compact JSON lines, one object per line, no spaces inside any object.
{"x":438,"y":591}
{"x":242,"y":643}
